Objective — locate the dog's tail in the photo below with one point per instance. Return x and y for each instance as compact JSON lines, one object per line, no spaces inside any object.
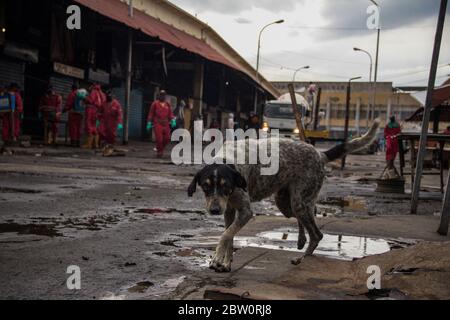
{"x":357,"y":144}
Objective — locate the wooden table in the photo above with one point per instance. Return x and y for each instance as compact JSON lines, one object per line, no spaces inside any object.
{"x":442,"y":139}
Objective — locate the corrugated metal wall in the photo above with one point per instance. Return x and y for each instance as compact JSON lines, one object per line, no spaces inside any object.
{"x":136,"y":115}
{"x":62,"y":85}
{"x":11,"y":71}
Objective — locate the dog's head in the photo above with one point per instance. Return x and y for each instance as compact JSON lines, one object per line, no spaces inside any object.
{"x":218,"y":182}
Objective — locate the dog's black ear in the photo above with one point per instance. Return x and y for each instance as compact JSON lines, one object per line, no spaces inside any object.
{"x":239,"y":181}
{"x":193,"y":186}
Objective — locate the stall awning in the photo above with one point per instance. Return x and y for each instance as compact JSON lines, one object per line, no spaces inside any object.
{"x":439,"y":110}
{"x":119,"y":11}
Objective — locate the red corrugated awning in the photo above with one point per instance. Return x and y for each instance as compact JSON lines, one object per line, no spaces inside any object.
{"x":117,"y":10}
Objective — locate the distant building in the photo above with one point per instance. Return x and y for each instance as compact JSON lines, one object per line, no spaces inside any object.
{"x":389,"y":101}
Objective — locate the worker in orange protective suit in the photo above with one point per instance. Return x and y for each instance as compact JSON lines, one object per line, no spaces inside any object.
{"x":93,"y":103}
{"x":15,"y":104}
{"x":110,"y":115}
{"x":75,"y":108}
{"x":161,"y":118}
{"x":50,"y":108}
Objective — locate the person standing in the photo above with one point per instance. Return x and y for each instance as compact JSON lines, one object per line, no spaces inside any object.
{"x":94,"y":102}
{"x":110,"y":120}
{"x":75,"y":108}
{"x":391,"y":132}
{"x":11,"y":119}
{"x":161,"y":118}
{"x":50,"y":108}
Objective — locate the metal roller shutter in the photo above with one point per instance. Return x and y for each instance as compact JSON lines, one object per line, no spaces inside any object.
{"x":136,"y":118}
{"x":63,"y":86}
{"x":11,"y":71}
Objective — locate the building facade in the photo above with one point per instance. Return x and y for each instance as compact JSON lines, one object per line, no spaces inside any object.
{"x":333,"y":97}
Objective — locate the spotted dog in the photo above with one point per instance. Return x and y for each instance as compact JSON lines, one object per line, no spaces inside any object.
{"x":230,"y":189}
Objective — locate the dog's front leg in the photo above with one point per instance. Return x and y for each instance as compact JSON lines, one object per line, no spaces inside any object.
{"x":221,"y":261}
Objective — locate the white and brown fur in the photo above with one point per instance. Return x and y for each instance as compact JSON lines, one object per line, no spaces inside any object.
{"x":230,"y":190}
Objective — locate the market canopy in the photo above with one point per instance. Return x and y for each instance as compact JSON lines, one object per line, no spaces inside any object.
{"x":119,"y":11}
{"x":440,"y":111}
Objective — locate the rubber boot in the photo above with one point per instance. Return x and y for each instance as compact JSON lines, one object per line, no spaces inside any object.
{"x":89,"y":143}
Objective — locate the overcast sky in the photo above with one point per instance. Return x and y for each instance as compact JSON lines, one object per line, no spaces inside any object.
{"x":322,"y":34}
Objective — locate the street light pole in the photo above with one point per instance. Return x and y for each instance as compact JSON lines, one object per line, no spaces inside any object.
{"x":347,"y":116}
{"x":295,"y":73}
{"x":257,"y":60}
{"x":376,"y":66}
{"x":370,"y":84}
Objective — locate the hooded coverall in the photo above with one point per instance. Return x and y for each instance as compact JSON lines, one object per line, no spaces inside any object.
{"x":6,"y":117}
{"x":390,"y":133}
{"x":110,"y":114}
{"x":93,"y":103}
{"x":161,"y":115}
{"x":75,"y":118}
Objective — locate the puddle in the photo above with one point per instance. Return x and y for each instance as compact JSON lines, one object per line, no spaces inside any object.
{"x":141,"y":287}
{"x":333,"y":246}
{"x":26,"y":229}
{"x":333,"y":205}
{"x":18,"y":190}
{"x":156,"y":211}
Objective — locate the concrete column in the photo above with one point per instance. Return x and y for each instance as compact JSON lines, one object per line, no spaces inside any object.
{"x":328,"y":115}
{"x":357,"y":116}
{"x":199,"y":72}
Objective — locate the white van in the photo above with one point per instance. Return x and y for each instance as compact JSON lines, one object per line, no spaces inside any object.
{"x":278,"y":114}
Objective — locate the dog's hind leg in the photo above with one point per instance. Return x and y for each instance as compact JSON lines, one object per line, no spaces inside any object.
{"x":221,"y":261}
{"x":283,"y":202}
{"x":305,"y":214}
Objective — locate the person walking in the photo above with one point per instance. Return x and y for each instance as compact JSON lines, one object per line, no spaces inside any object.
{"x":161,"y":118}
{"x":110,"y":120}
{"x":94,"y":102}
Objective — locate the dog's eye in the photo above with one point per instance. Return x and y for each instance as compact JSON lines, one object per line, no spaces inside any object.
{"x":206,"y":186}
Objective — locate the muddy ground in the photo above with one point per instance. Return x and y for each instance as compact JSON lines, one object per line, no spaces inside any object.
{"x":128,"y":224}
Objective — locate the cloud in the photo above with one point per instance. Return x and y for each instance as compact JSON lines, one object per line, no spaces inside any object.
{"x":237,"y":6}
{"x":293,"y":33}
{"x":241,"y":20}
{"x":347,"y":18}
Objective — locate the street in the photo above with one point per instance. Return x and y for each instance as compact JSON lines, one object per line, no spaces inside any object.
{"x":129,"y":226}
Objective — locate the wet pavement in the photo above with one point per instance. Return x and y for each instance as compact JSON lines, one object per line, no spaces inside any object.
{"x":128,"y":224}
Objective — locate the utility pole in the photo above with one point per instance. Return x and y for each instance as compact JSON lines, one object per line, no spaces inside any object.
{"x":297,"y":113}
{"x":126,"y":116}
{"x":427,"y":109}
{"x":347,"y":116}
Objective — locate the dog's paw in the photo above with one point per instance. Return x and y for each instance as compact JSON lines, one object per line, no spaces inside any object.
{"x":297,"y":261}
{"x":220,"y":266}
{"x":301,"y":243}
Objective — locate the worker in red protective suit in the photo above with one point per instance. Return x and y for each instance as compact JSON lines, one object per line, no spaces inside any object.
{"x":75,"y":117}
{"x":16,"y":104}
{"x":93,"y":102}
{"x":110,"y":114}
{"x":391,"y":132}
{"x":161,"y":118}
{"x":50,"y":108}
